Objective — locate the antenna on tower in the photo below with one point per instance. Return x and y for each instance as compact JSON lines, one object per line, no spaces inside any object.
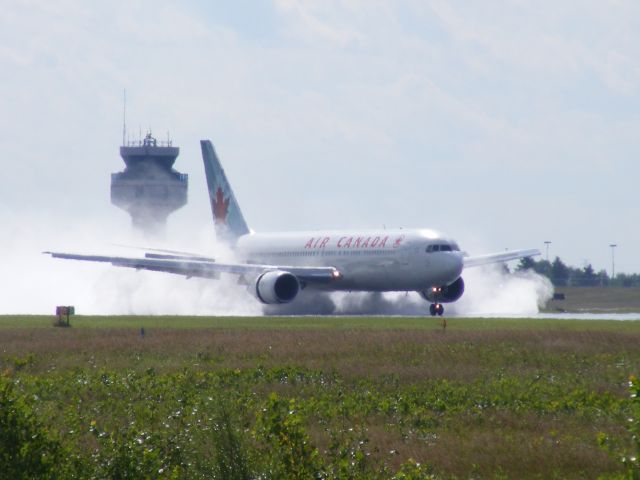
{"x":124,"y":116}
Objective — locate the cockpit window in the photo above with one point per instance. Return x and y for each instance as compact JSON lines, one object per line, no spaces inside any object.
{"x":443,"y":247}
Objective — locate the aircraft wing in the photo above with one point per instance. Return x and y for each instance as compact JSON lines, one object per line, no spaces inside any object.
{"x":499,"y":257}
{"x":203,"y":267}
{"x":165,"y":253}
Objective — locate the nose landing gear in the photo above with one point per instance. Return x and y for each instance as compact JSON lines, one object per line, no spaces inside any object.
{"x":436,"y":309}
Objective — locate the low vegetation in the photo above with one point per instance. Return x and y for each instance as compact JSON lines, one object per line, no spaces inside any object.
{"x":296,"y":399}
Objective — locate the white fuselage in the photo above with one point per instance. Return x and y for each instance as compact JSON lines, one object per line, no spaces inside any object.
{"x":381,"y":260}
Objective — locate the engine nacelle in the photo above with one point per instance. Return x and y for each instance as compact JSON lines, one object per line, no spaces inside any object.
{"x":446,"y":294}
{"x":277,"y":286}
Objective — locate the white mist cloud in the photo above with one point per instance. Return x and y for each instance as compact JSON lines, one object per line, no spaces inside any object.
{"x":490,"y":291}
{"x":153,"y":293}
{"x":33,"y":283}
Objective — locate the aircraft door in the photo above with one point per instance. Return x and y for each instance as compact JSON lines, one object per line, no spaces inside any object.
{"x":405,"y":254}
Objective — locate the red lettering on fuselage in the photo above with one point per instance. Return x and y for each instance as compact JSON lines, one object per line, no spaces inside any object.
{"x":317,"y":243}
{"x":351,"y":242}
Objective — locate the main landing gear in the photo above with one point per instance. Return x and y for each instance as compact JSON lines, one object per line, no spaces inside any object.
{"x":436,"y":309}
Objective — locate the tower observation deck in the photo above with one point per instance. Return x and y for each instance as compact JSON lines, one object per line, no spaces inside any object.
{"x":149,"y":189}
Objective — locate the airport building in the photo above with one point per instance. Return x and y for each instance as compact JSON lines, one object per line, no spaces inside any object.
{"x":149,"y":188}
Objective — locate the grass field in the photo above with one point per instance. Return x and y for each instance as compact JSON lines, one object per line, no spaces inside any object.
{"x":321,"y":397}
{"x":597,"y":300}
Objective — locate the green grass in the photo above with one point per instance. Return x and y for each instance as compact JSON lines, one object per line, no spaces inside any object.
{"x":315,"y":323}
{"x":286,"y":397}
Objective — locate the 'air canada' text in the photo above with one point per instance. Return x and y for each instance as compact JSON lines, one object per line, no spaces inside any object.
{"x":353,"y":242}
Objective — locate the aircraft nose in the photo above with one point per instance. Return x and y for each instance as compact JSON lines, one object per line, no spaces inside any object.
{"x":457,"y":264}
{"x":449,"y":267}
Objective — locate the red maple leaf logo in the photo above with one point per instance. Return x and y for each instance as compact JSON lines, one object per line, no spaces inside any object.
{"x":220,"y":207}
{"x":398,"y":241}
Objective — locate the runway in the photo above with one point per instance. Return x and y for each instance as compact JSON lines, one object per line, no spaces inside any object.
{"x":635,"y":316}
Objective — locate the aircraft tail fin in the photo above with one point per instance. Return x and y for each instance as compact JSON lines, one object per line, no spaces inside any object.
{"x":227,"y":216}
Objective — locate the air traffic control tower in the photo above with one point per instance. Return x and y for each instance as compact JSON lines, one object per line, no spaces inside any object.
{"x":149,"y":188}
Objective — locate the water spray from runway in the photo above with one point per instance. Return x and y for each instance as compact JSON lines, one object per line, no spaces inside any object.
{"x":490,"y":291}
{"x":34,"y":283}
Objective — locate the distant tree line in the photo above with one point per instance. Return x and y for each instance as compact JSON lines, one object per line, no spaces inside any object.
{"x":562,"y":275}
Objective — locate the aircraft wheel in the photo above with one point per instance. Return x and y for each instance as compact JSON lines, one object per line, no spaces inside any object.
{"x":432,"y":309}
{"x":439,"y":309}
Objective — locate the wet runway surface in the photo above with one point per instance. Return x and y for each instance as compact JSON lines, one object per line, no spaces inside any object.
{"x":565,"y":316}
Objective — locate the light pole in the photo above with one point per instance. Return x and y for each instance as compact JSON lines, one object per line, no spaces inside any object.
{"x":547,"y":243}
{"x":613,"y":264}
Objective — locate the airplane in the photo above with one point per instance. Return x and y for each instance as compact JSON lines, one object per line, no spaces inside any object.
{"x":276,"y":267}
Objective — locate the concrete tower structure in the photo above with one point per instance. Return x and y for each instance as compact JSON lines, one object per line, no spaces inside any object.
{"x":149,"y":189}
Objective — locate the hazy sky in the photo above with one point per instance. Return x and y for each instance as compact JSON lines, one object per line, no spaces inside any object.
{"x":503,"y":124}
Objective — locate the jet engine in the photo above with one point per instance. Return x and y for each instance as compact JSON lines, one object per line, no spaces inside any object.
{"x":277,"y":286}
{"x":445,"y":294}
